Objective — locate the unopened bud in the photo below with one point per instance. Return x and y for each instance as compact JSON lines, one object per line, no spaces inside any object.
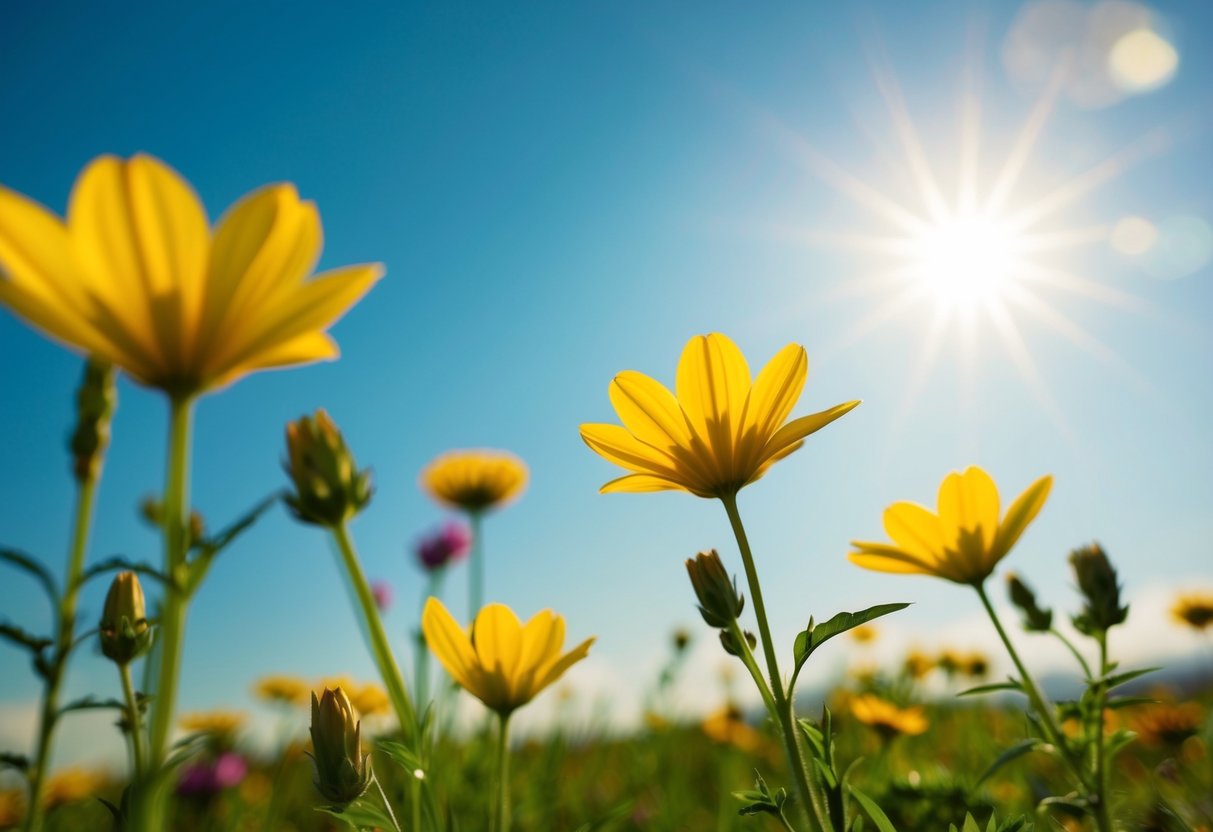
{"x":1035,"y":619}
{"x":329,"y":488}
{"x":1100,"y":589}
{"x":719,"y":601}
{"x":124,"y":631}
{"x":152,"y":512}
{"x":342,"y":772}
{"x":95,"y":402}
{"x":682,"y":640}
{"x":730,"y":644}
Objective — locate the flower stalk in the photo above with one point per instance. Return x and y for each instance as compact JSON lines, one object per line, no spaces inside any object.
{"x":500,"y":821}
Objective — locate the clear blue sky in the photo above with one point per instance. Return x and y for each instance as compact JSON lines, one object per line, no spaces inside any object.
{"x":560,"y":191}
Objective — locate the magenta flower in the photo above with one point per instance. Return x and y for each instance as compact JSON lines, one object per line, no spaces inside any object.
{"x":382,"y":591}
{"x":209,"y":777}
{"x":448,"y":544}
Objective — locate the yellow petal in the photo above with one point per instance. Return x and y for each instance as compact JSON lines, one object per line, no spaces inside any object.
{"x":916,"y":530}
{"x":34,"y":255}
{"x":542,"y":638}
{"x":450,"y":644}
{"x":649,"y":410}
{"x":497,"y":639}
{"x":969,"y":501}
{"x":775,"y":392}
{"x":642,"y":484}
{"x":556,"y":669}
{"x":712,"y":383}
{"x":880,"y":557}
{"x":798,"y":429}
{"x":616,"y":445}
{"x":1022,"y":512}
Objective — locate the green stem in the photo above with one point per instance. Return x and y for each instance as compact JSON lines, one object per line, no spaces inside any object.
{"x":475,"y":566}
{"x":1103,"y":815}
{"x":500,"y":820}
{"x":747,"y":658}
{"x":65,"y":628}
{"x":421,"y":660}
{"x":416,"y":802}
{"x":808,"y":794}
{"x":386,"y":805}
{"x":381,"y":650}
{"x":134,"y":721}
{"x":1086,"y":668}
{"x":1040,"y":704}
{"x":171,"y":638}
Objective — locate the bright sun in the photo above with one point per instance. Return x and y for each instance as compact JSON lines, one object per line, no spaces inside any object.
{"x":967,"y":261}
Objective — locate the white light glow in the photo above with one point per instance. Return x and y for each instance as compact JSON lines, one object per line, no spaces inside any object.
{"x":967,"y":261}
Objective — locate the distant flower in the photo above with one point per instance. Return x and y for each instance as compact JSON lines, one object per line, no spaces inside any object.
{"x":963,"y":540}
{"x":12,"y":807}
{"x":502,"y":662}
{"x":382,"y":591}
{"x":289,"y":690}
{"x":721,"y":431}
{"x":950,"y":661}
{"x":222,"y":724}
{"x":888,"y":719}
{"x":475,"y":480}
{"x":728,"y":727}
{"x":71,"y":784}
{"x":865,"y":633}
{"x":1194,"y":609}
{"x":1167,"y":723}
{"x":976,"y":665}
{"x":205,"y":778}
{"x":370,"y":700}
{"x":444,"y":546}
{"x":136,"y":276}
{"x":917,"y":664}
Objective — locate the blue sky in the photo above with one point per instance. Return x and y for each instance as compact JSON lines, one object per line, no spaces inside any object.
{"x":563,"y":191}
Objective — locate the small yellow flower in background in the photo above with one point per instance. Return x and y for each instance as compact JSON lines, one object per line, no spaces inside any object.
{"x":865,"y":633}
{"x":917,"y":664}
{"x":370,"y":700}
{"x":475,"y":480}
{"x":288,"y":690}
{"x":136,"y":276}
{"x":964,"y":540}
{"x":12,"y":807}
{"x":1195,"y":610}
{"x":720,"y":432}
{"x":1168,"y":723}
{"x":727,"y":726}
{"x":502,"y":662}
{"x":888,"y":719}
{"x":975,"y":665}
{"x":74,"y":783}
{"x":218,"y":723}
{"x":950,"y":661}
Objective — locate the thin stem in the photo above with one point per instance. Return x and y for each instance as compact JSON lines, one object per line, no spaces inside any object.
{"x":1041,"y":705}
{"x":475,"y":566}
{"x":1086,"y":668}
{"x":809,"y":797}
{"x":386,"y":805}
{"x":171,"y":638}
{"x":65,"y":627}
{"x":500,"y":820}
{"x":747,"y":658}
{"x":416,"y":802}
{"x":421,"y":660}
{"x":1103,"y":816}
{"x":381,"y":650}
{"x":133,"y":719}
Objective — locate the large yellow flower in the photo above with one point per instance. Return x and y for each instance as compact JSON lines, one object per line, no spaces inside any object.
{"x":503,"y":662}
{"x":475,"y":480}
{"x":721,"y":432}
{"x":135,"y":275}
{"x":964,"y":540}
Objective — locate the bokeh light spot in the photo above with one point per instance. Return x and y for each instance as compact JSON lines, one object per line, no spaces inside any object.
{"x":1142,"y":61}
{"x":1133,"y":236}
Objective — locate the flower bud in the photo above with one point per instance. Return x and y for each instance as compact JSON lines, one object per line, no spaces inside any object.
{"x":95,"y":401}
{"x":329,"y":488}
{"x":1035,"y":619}
{"x":342,"y":772}
{"x":1100,"y":589}
{"x":719,"y":602}
{"x":124,"y":632}
{"x":730,"y":645}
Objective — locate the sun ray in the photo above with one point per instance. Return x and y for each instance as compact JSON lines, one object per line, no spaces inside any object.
{"x":1021,"y":356}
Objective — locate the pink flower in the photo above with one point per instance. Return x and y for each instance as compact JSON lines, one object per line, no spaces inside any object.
{"x":382,"y":591}
{"x":448,"y":544}
{"x":208,"y":777}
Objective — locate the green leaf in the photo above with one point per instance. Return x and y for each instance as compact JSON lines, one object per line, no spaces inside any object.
{"x":817,"y":634}
{"x":209,"y":547}
{"x":36,"y":570}
{"x":18,"y":636}
{"x":1018,"y":750}
{"x":1110,"y":682}
{"x":402,"y":755}
{"x":117,"y":563}
{"x":17,"y":761}
{"x":993,"y":687}
{"x":1129,"y":702}
{"x":874,"y":812}
{"x":90,"y":703}
{"x":361,"y":814}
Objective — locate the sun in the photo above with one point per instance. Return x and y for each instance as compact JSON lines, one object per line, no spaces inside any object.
{"x":967,"y":261}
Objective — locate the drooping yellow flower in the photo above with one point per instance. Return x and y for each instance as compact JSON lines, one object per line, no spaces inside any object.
{"x":135,"y":276}
{"x":289,"y":690}
{"x":502,"y":662}
{"x":1194,"y":610}
{"x":218,"y":723}
{"x":720,"y":432}
{"x":71,"y":784}
{"x":964,"y":540}
{"x":888,"y":719}
{"x":475,"y":480}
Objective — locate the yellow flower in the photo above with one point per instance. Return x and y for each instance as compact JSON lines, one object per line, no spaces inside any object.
{"x":12,"y":807}
{"x":917,"y":664}
{"x":964,"y":540}
{"x":219,"y":723}
{"x":136,"y":276}
{"x":727,"y":726}
{"x":1195,"y":610}
{"x":1168,"y":723}
{"x":502,"y":662}
{"x":865,"y":633}
{"x":722,"y":430}
{"x":289,"y":690}
{"x":888,"y":719}
{"x":71,"y":784}
{"x":475,"y":480}
{"x":370,"y":699}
